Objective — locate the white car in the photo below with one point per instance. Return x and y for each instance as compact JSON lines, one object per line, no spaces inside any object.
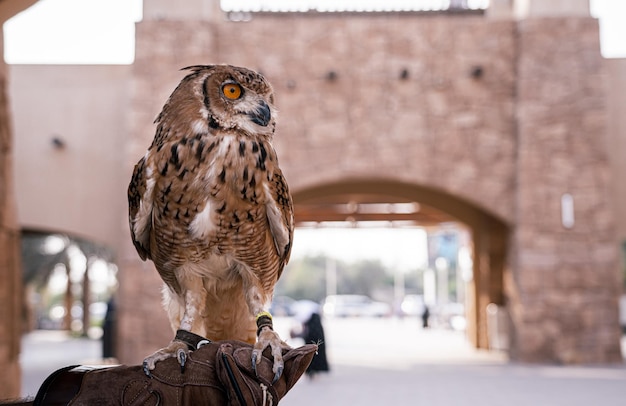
{"x":412,"y":305}
{"x":354,"y":306}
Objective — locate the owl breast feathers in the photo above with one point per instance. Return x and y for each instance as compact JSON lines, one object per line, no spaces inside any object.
{"x":209,"y":197}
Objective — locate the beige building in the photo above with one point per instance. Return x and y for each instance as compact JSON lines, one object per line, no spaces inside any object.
{"x":488,"y":119}
{"x":71,"y":126}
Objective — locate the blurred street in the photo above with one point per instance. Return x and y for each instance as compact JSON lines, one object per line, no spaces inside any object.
{"x":45,"y":351}
{"x":389,"y":361}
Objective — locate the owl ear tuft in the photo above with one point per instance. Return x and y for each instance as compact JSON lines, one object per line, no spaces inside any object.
{"x":196,"y":68}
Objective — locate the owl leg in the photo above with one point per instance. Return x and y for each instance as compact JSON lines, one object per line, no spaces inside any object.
{"x":184,"y":316}
{"x":266,"y":336}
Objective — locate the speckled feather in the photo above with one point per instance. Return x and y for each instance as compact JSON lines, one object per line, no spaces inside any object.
{"x":208,"y":202}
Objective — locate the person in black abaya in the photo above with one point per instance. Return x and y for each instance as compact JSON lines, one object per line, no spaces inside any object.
{"x":313,"y":333}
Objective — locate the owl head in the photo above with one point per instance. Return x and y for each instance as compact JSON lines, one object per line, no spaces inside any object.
{"x":221,"y":97}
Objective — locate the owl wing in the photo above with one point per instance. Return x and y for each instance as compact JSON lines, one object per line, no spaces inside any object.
{"x":140,"y":210}
{"x":280,"y":216}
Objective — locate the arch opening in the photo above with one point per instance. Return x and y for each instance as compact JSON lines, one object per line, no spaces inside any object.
{"x":392,"y":204}
{"x":69,"y":281}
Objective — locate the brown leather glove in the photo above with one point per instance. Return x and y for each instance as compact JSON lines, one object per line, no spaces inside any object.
{"x":219,"y":373}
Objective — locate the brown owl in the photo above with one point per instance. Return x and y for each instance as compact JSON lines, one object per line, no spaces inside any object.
{"x":209,"y":205}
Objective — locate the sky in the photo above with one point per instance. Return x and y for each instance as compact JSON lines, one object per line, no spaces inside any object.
{"x":102,"y":31}
{"x":397,"y":248}
{"x":73,"y":32}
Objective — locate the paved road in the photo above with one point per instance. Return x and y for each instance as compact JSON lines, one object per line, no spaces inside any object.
{"x":395,"y":362}
{"x":45,"y":351}
{"x":391,"y":362}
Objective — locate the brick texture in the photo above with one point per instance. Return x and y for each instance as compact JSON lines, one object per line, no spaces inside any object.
{"x":506,"y":116}
{"x":10,"y":270}
{"x":567,"y":279}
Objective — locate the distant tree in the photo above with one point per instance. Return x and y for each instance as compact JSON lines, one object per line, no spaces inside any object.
{"x":304,"y":278}
{"x":414,"y":281}
{"x":362,"y":277}
{"x":39,"y":259}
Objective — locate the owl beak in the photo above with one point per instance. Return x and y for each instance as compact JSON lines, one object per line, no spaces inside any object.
{"x":261,"y":115}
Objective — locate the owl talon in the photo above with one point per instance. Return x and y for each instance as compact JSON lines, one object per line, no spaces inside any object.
{"x":254,"y":362}
{"x":279,"y":372}
{"x":146,"y":369}
{"x":181,"y":356}
{"x":175,"y":349}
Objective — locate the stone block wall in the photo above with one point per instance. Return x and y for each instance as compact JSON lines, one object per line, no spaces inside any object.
{"x":566,"y":279}
{"x":10,"y":263}
{"x":504,"y":115}
{"x":368,"y":122}
{"x":405,"y":105}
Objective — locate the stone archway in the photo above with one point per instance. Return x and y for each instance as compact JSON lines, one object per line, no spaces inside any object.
{"x":489,"y":234}
{"x":496,"y":150}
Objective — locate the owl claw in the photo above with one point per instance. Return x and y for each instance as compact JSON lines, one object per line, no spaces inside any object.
{"x":279,"y":372}
{"x":175,"y":349}
{"x":254,"y":362}
{"x":181,"y":356}
{"x":146,"y":369}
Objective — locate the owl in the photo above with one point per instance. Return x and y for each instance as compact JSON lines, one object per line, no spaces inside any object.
{"x":209,"y":205}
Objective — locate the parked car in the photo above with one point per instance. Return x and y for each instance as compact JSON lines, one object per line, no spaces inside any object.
{"x":282,"y":306}
{"x":452,"y":315}
{"x":354,"y":306}
{"x":412,"y":305}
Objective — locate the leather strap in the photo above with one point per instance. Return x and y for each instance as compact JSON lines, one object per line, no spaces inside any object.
{"x":192,"y":340}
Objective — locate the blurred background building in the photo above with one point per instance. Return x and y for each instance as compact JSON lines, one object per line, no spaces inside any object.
{"x":498,"y":128}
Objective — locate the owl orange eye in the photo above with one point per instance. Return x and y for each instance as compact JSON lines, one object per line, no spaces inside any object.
{"x":232,"y":91}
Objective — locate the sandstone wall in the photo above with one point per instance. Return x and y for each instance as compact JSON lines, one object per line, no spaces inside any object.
{"x":85,"y":107}
{"x":370,"y":122}
{"x":10,"y":275}
{"x":506,"y":116}
{"x":566,"y":279}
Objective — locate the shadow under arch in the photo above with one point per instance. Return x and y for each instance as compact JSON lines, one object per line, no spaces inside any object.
{"x":490,"y":234}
